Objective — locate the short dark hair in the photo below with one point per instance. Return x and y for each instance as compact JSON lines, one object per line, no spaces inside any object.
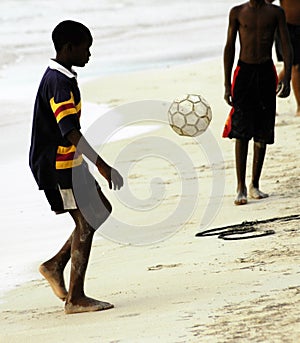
{"x":69,"y":31}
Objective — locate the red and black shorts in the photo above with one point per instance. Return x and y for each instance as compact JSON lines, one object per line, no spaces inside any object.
{"x":254,"y":103}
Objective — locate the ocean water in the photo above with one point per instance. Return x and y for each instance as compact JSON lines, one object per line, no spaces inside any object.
{"x":128,"y":35}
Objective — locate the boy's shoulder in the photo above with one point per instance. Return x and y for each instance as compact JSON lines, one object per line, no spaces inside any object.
{"x":236,"y":10}
{"x":57,"y":79}
{"x":58,"y":83}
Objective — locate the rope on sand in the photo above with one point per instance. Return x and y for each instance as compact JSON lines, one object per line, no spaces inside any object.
{"x":246,"y":229}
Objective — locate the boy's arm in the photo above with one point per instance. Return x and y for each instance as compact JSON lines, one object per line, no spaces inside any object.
{"x":229,"y":53}
{"x":112,"y":176}
{"x":287,"y":53}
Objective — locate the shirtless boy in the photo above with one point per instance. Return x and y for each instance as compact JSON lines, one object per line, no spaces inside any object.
{"x":56,"y":151}
{"x":252,"y":93}
{"x":292,"y":13}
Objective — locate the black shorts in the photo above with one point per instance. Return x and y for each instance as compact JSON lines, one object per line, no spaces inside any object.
{"x":294,"y":33}
{"x":254,"y":103}
{"x":78,"y":189}
{"x":61,"y":198}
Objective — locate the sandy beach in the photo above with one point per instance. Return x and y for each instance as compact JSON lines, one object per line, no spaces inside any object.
{"x":183,"y":288}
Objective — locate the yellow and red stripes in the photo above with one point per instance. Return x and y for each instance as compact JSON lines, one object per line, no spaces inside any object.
{"x":66,"y":157}
{"x":65,"y":108}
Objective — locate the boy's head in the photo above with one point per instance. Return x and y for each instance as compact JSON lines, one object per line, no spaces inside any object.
{"x":72,"y":41}
{"x":71,"y":32}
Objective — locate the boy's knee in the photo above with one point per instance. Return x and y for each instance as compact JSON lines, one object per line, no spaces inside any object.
{"x":260,"y":145}
{"x":86,"y":232}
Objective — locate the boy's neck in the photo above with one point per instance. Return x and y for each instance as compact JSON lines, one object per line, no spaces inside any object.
{"x":256,"y":3}
{"x":63,"y":63}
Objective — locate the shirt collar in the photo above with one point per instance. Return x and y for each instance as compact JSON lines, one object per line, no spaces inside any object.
{"x":56,"y":66}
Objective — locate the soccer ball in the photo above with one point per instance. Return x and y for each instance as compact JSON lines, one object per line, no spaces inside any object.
{"x":189,"y":115}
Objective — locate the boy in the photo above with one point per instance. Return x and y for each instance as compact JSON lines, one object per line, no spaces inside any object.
{"x":292,"y":13}
{"x":56,"y":151}
{"x":252,"y":94}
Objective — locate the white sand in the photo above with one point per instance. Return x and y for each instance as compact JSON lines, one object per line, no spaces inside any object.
{"x":184,"y":289}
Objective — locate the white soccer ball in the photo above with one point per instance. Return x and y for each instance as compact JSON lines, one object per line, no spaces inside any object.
{"x":189,"y":115}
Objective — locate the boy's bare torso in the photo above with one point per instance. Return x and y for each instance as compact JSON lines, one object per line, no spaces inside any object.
{"x":256,"y":26}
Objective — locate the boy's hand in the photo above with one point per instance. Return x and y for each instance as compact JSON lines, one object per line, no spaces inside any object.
{"x":227,"y":95}
{"x":116,"y":179}
{"x":283,"y":89}
{"x":113,"y":177}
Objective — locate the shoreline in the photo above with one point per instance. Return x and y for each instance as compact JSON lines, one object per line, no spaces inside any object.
{"x":184,"y":288}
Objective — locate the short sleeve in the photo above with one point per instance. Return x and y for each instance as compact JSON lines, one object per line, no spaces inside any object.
{"x":66,"y":110}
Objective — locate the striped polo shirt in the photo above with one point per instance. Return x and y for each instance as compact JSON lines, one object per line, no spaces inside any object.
{"x":64,"y":103}
{"x":56,"y":112}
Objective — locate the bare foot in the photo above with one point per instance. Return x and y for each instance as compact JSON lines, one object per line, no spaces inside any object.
{"x":86,"y":304}
{"x":241,"y":198}
{"x":255,"y":193}
{"x":55,"y":279}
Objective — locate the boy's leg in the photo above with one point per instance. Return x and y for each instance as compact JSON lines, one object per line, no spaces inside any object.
{"x":82,"y":237}
{"x":241,"y":152}
{"x":53,"y":270}
{"x":296,"y":85}
{"x":258,"y":160}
